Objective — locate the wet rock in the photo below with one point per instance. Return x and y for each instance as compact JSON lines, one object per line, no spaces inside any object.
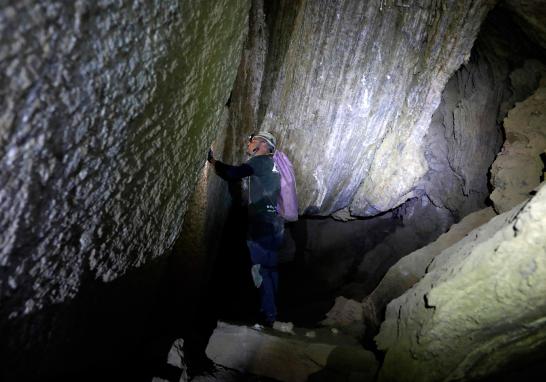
{"x":286,"y":358}
{"x":519,"y":167}
{"x":479,"y":308}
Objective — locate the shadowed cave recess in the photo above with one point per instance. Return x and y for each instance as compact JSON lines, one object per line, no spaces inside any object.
{"x":417,"y":131}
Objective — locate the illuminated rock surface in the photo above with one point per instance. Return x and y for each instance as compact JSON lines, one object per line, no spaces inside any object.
{"x":401,"y":276}
{"x":519,"y":167}
{"x":92,"y":148}
{"x":479,"y":307}
{"x":350,"y":88}
{"x":411,"y":268}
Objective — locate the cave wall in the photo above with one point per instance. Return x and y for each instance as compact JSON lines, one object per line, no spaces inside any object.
{"x":373,"y":69}
{"x":464,"y":136}
{"x":107,"y":111}
{"x":467,"y":131}
{"x":519,"y":167}
{"x":479,"y":311}
{"x":349,"y":89}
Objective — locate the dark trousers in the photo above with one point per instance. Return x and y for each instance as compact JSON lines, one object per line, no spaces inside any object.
{"x":263,"y":251}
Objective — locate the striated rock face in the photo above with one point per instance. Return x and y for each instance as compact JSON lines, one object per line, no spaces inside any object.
{"x":520,"y":165}
{"x":350,"y":89}
{"x":460,"y":145}
{"x":480,"y":307}
{"x":107,"y":110}
{"x":464,"y":135}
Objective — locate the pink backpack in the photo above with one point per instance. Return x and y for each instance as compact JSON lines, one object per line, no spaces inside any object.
{"x":287,"y":204}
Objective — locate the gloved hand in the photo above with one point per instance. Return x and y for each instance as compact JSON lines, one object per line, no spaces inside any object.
{"x":210,"y":156}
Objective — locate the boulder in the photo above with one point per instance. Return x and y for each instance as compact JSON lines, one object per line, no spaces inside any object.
{"x":411,"y":268}
{"x":287,"y":358}
{"x":479,"y":309}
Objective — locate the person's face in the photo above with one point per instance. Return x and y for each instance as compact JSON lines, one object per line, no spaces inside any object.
{"x":253,"y":146}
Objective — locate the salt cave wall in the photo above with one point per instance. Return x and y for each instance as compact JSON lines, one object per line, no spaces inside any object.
{"x":107,"y":109}
{"x":349,"y":88}
{"x":476,"y":311}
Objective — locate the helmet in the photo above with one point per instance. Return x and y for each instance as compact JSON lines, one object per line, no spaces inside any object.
{"x":267,"y":137}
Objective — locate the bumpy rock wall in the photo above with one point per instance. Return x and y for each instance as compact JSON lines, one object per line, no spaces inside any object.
{"x":107,"y":110}
{"x":465,"y":133}
{"x":479,"y":309}
{"x":352,"y":93}
{"x":100,"y":151}
{"x":520,"y":166}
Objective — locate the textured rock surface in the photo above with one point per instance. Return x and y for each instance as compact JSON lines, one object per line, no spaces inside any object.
{"x":99,"y":159}
{"x":344,"y":312}
{"x":176,"y":360}
{"x":374,"y":70}
{"x":479,"y":308}
{"x":465,"y":133}
{"x":411,"y":268}
{"x":107,"y":109}
{"x":520,"y":165}
{"x":460,"y":145}
{"x":288,"y":358}
{"x":400,"y":277}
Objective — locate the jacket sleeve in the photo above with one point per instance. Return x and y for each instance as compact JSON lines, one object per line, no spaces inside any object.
{"x":230,"y":173}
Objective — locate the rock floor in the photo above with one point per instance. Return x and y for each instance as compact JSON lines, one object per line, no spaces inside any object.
{"x":290,"y":354}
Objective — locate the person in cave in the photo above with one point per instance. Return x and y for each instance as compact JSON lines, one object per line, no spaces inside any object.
{"x":261,"y":188}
